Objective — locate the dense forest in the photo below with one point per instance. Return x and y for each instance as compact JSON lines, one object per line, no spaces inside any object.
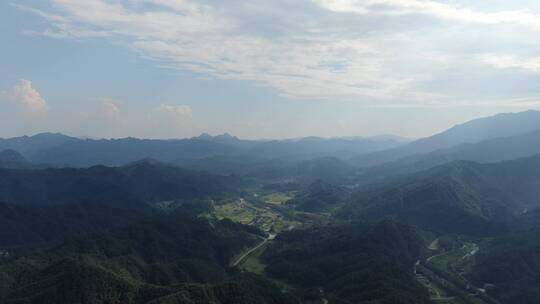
{"x":351,"y":263}
{"x":136,"y":264}
{"x":221,"y":220}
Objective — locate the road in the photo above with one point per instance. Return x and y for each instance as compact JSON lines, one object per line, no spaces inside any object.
{"x":250,"y":251}
{"x":434,"y":256}
{"x":473,"y":251}
{"x":434,"y":245}
{"x":463,"y":293}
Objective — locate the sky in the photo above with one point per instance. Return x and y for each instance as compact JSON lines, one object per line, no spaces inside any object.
{"x":263,"y":68}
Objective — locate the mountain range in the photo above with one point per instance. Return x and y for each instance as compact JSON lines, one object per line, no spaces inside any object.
{"x":146,"y":181}
{"x":478,"y":130}
{"x":459,"y":197}
{"x":62,"y":150}
{"x":454,"y":217}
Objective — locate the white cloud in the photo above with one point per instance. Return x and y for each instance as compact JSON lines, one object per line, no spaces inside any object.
{"x":194,"y":36}
{"x":23,"y":110}
{"x":110,"y":117}
{"x":375,"y":51}
{"x":435,"y":9}
{"x":512,"y":62}
{"x":109,"y":111}
{"x":179,"y":113}
{"x":104,"y":118}
{"x":24,"y":95}
{"x":169,"y":121}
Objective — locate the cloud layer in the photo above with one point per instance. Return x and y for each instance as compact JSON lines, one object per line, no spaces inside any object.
{"x":381,"y":52}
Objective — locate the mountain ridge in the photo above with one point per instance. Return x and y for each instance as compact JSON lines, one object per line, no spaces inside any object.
{"x":474,"y":131}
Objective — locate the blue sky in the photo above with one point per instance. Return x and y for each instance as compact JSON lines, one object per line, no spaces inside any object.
{"x":263,"y":69}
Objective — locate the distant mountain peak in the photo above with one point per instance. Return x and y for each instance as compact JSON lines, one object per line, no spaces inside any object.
{"x":220,"y":137}
{"x":204,"y":136}
{"x":226,"y":136}
{"x":50,"y":135}
{"x":474,"y":131}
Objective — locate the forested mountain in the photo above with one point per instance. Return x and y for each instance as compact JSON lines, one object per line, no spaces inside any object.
{"x":327,"y":169}
{"x":145,"y":181}
{"x":269,"y":152}
{"x":115,"y":152}
{"x":493,"y":150}
{"x":502,"y":125}
{"x":61,"y":150}
{"x":351,"y":263}
{"x":221,"y":220}
{"x":30,"y":145}
{"x":26,"y":226}
{"x":44,"y":206}
{"x":509,"y":267}
{"x":157,"y":260}
{"x":460,"y":197}
{"x":314,"y":147}
{"x":320,"y":197}
{"x":330,"y":170}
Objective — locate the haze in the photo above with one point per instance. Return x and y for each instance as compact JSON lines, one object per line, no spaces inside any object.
{"x":263,"y":69}
{"x":269,"y":152}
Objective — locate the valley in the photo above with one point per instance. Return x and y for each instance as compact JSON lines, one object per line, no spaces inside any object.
{"x":264,"y":215}
{"x":269,"y":152}
{"x":283,"y":229}
{"x":444,"y":271}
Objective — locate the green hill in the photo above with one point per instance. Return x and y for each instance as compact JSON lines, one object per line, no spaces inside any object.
{"x":144,"y":181}
{"x":459,"y":197}
{"x":352,"y":263}
{"x":509,"y":267}
{"x":166,"y":259}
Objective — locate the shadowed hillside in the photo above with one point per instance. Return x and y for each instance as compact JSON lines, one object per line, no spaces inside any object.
{"x":460,"y":197}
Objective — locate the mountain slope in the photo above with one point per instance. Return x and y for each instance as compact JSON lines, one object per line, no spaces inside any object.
{"x":11,"y":159}
{"x":501,"y":125}
{"x":28,"y":145}
{"x":27,"y":227}
{"x":320,"y":197}
{"x":166,"y":259}
{"x":115,"y":152}
{"x":138,"y":182}
{"x":510,"y":264}
{"x":61,"y":150}
{"x":460,"y":197}
{"x":315,"y":147}
{"x":352,"y":263}
{"x":493,"y":150}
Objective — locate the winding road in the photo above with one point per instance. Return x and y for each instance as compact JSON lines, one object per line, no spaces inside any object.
{"x":473,"y":250}
{"x":250,"y":251}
